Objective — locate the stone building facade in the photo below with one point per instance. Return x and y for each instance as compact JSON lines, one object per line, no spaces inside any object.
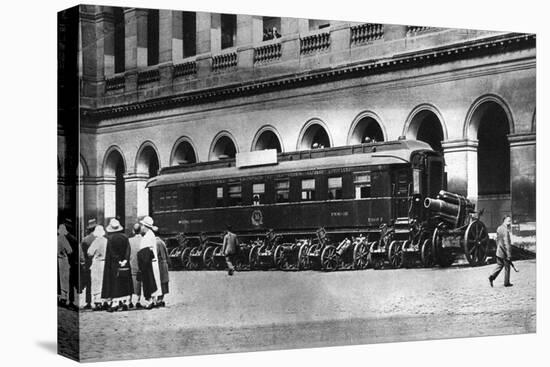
{"x":164,"y":87}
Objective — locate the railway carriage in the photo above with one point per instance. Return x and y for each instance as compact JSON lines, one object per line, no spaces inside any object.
{"x":349,"y":191}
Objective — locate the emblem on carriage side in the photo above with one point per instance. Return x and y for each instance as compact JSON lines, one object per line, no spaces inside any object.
{"x":257,"y":218}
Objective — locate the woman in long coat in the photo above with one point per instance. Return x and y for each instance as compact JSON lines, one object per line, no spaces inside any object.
{"x":63,"y":251}
{"x":117,"y":279}
{"x":163,"y":262}
{"x":97,"y":251}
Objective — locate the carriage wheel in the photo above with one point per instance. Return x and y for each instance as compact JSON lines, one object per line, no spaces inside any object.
{"x":186,"y":258}
{"x":329,"y":258}
{"x":279,"y":258}
{"x":395,"y":254}
{"x":426,"y":254}
{"x":360,"y":256}
{"x":253,"y":258}
{"x":303,"y":259}
{"x":406,"y":261}
{"x":208,"y":258}
{"x":476,"y":240}
{"x":444,"y":258}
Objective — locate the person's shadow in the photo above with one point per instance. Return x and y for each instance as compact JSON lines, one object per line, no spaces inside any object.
{"x":48,"y":345}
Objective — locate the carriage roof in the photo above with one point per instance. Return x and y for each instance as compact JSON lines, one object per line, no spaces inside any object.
{"x":374,"y":154}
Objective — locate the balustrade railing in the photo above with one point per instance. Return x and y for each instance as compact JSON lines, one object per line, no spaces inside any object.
{"x":365,"y":33}
{"x":224,"y":61}
{"x":267,"y":53}
{"x":186,"y":68}
{"x":114,"y":83}
{"x":148,"y":76}
{"x":315,"y":43}
{"x":415,"y":30}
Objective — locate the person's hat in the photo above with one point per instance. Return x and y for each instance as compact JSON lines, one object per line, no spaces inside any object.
{"x":114,"y":226}
{"x":99,"y":231}
{"x":92,"y":223}
{"x":148,"y":222}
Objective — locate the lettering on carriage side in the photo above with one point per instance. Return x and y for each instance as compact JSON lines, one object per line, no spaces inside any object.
{"x":339,"y":214}
{"x":374,"y":219}
{"x":192,"y":221}
{"x":257,"y":218}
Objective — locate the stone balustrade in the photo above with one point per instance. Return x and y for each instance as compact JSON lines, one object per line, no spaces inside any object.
{"x":184,"y":69}
{"x":315,"y":43}
{"x":267,"y":53}
{"x":415,"y":30}
{"x":114,"y":83}
{"x":365,"y":33}
{"x":148,"y":76}
{"x":224,"y":61}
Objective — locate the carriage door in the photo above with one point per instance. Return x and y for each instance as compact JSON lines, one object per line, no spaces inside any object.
{"x":401,"y":193}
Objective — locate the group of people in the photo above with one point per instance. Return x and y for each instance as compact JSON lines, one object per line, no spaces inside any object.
{"x":270,"y":34}
{"x":113,"y":268}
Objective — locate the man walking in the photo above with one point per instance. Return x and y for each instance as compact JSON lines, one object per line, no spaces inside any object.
{"x":504,"y":252}
{"x":135,"y":243}
{"x":230,"y":246}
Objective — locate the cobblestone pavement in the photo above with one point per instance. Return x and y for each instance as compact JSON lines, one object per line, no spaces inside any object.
{"x":209,"y":312}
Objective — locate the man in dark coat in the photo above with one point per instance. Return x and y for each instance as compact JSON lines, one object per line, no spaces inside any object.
{"x":163,"y":259}
{"x":86,"y":263}
{"x":117,"y":279}
{"x":504,"y":252}
{"x":230,"y":247}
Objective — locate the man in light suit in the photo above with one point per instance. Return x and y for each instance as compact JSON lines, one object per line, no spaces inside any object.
{"x":230,"y":247}
{"x":504,"y":252}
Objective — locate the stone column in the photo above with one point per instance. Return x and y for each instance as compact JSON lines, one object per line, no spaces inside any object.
{"x":204,"y":21}
{"x":215,"y":33}
{"x":394,"y":31}
{"x":461,"y":167}
{"x":290,"y":41}
{"x":340,"y":35}
{"x":135,"y":38}
{"x":108,"y":187}
{"x":92,"y":51}
{"x":523,"y":176}
{"x":137,"y":198}
{"x":245,"y":39}
{"x":170,"y":36}
{"x":107,"y":20}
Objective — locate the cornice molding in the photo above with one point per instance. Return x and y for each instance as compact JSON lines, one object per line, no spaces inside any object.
{"x":443,"y":54}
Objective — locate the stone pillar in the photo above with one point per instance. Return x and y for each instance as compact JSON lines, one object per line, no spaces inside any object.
{"x":340,"y":35}
{"x":135,"y":38}
{"x":92,"y":41}
{"x":246,"y":33}
{"x":394,"y":31}
{"x":107,"y":20}
{"x":204,"y":21}
{"x":523,"y":176}
{"x":137,"y":198}
{"x":176,"y":31}
{"x":170,"y":36}
{"x":108,"y":186}
{"x":215,"y":33}
{"x":461,"y":167}
{"x":290,"y":42}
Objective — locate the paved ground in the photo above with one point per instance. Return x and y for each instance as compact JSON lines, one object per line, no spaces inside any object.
{"x":209,"y":312}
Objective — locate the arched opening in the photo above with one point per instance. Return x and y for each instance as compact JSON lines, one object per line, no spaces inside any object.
{"x":314,"y":137}
{"x":184,"y":153}
{"x":366,"y":130}
{"x":490,"y":124}
{"x":115,"y":194}
{"x":147,"y":165}
{"x":223,"y":148}
{"x":268,"y":140}
{"x":426,"y":126}
{"x":493,"y":152}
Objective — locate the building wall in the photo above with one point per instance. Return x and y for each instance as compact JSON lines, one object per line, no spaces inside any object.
{"x":452,"y":90}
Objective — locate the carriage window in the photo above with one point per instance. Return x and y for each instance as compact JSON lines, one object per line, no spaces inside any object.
{"x":235,"y":195}
{"x":402,"y":184}
{"x":334,"y":188}
{"x":219,"y":196}
{"x":362,"y":184}
{"x":308,"y":189}
{"x":416,"y":181}
{"x":258,"y":193}
{"x":281,"y":191}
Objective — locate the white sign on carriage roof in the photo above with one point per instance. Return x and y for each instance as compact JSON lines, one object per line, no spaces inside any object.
{"x":256,"y":158}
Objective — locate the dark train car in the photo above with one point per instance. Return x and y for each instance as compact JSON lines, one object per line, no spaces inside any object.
{"x":348,"y":189}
